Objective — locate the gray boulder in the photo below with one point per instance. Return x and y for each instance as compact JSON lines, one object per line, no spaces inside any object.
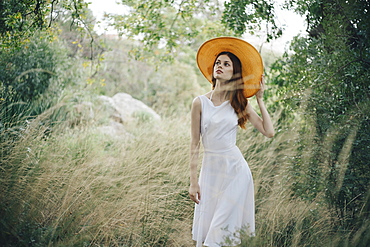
{"x":121,"y":109}
{"x":126,"y":107}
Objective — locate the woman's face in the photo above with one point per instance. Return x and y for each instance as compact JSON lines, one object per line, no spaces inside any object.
{"x":223,"y":69}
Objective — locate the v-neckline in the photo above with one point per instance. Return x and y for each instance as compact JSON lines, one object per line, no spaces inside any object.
{"x":214,"y":104}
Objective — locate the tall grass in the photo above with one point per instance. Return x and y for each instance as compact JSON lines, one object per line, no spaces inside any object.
{"x":80,"y":187}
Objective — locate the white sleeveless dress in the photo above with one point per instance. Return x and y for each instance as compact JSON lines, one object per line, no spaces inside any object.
{"x":226,"y":183}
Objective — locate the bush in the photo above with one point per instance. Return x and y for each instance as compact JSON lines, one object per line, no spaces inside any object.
{"x":30,"y":70}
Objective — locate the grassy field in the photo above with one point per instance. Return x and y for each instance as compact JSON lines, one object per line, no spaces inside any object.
{"x":77,"y":186}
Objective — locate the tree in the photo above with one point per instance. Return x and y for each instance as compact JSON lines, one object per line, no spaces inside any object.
{"x":247,"y":16}
{"x":30,"y":56}
{"x":328,"y":77}
{"x":29,"y":64}
{"x":163,"y":27}
{"x":19,"y":20}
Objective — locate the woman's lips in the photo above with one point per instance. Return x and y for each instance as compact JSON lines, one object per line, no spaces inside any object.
{"x":219,"y":71}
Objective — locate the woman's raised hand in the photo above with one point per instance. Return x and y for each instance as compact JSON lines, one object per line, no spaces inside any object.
{"x":260,"y":92}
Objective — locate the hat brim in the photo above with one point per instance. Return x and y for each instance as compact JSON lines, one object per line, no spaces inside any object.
{"x":252,"y":65}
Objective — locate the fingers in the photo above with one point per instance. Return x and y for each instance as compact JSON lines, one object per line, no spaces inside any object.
{"x":260,"y":92}
{"x":194,"y":193}
{"x":263,"y":79}
{"x":195,"y":197}
{"x":262,"y":83}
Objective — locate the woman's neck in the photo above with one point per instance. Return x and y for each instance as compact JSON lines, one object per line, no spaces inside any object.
{"x":219,"y":92}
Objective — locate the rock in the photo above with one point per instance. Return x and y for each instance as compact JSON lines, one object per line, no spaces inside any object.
{"x":127,"y":108}
{"x":111,"y":114}
{"x":121,"y":109}
{"x":114,"y":129}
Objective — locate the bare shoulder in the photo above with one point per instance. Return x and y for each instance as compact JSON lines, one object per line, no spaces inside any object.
{"x":196,"y":106}
{"x":196,"y":101}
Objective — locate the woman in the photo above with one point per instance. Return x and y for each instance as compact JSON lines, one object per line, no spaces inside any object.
{"x":224,"y":194}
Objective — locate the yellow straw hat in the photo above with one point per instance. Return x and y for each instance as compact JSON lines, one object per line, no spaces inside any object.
{"x":252,"y":65}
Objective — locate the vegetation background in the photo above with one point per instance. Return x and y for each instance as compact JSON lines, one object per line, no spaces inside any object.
{"x":65,"y":183}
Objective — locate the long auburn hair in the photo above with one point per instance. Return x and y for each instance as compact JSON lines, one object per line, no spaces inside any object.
{"x":235,"y":92}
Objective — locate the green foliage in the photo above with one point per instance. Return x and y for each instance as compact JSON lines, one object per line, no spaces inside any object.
{"x":326,"y":80}
{"x":34,"y":62}
{"x":19,"y":20}
{"x":168,"y":88}
{"x":34,"y":80}
{"x":29,"y":70}
{"x":247,"y":16}
{"x":173,"y":88}
{"x":163,"y":27}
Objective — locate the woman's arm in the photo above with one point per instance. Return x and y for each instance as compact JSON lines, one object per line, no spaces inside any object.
{"x":264,"y":124}
{"x":194,"y":190}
